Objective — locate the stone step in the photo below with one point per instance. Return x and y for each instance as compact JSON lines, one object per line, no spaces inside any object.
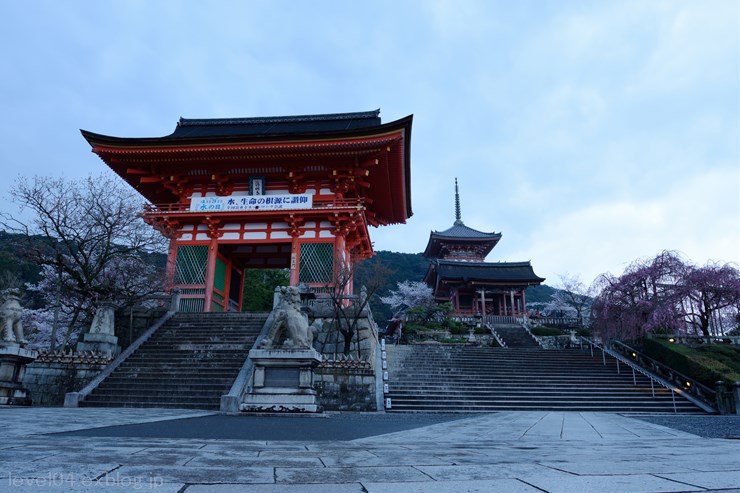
{"x":151,"y":404}
{"x":487,"y":408}
{"x":171,"y":373}
{"x":163,"y":395}
{"x":571,"y":394}
{"x":469,"y":379}
{"x":514,"y":386}
{"x":188,"y":363}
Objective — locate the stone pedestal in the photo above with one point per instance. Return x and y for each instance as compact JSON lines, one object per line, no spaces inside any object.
{"x":101,"y":338}
{"x":102,"y":343}
{"x":282,"y":381}
{"x":13,"y":361}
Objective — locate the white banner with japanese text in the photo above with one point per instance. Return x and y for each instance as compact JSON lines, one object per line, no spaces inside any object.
{"x":251,"y":203}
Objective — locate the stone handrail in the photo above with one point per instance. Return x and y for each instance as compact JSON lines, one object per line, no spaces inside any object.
{"x":525,"y":326}
{"x":653,"y":377}
{"x":557,"y":321}
{"x":686,"y":383}
{"x":243,"y":381}
{"x":495,"y":335}
{"x":504,"y":319}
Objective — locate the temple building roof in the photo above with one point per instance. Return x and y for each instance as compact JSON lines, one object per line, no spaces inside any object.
{"x":459,"y":240}
{"x":485,"y":272}
{"x":459,"y":230}
{"x":364,"y":159}
{"x":190,"y":127}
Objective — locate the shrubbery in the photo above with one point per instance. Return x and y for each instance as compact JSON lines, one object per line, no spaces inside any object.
{"x":707,"y":364}
{"x":545,"y":331}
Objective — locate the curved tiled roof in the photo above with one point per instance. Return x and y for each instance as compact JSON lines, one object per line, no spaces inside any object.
{"x":271,"y":146}
{"x":459,"y":230}
{"x":207,"y":127}
{"x":517,"y":272}
{"x":460,"y":234}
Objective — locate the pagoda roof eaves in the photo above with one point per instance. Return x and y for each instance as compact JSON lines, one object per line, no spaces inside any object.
{"x":517,"y":272}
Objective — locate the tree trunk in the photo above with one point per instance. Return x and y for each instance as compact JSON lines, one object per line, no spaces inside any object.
{"x":348,"y":334}
{"x":70,"y":328}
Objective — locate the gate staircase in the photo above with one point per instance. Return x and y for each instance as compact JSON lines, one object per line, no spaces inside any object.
{"x":515,"y":336}
{"x":454,"y":378}
{"x":189,"y":362}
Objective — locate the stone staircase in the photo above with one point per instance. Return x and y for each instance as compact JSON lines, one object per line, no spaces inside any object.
{"x":449,"y":378}
{"x":515,"y":336}
{"x":190,"y":362}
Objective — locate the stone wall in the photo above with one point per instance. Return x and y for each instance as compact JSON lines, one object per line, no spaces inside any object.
{"x":53,"y":375}
{"x":557,"y":342}
{"x":346,"y":385}
{"x":329,"y":341}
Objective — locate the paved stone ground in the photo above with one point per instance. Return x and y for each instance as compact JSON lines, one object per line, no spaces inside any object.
{"x":506,"y":451}
{"x":707,"y":426}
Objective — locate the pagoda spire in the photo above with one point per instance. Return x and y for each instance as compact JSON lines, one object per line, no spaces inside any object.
{"x":458,"y":220}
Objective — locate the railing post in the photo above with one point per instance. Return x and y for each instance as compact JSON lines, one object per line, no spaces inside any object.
{"x":634,"y":378}
{"x":603,"y":356}
{"x":618,"y":372}
{"x":175,"y":300}
{"x":652,"y":386}
{"x":673,"y":396}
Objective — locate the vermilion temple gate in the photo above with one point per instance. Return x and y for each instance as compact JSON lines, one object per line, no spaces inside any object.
{"x":295,"y":192}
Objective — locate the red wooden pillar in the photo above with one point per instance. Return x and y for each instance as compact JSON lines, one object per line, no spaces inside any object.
{"x":227,"y":285}
{"x":513,"y":307}
{"x":210,"y":274}
{"x":171,"y":265}
{"x":295,"y":260}
{"x":342,"y":265}
{"x":524,"y":303}
{"x":242,"y":273}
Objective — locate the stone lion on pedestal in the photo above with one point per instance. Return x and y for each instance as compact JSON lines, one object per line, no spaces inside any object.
{"x":11,"y":313}
{"x":289,"y":321}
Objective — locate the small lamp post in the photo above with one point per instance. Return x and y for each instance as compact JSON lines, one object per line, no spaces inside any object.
{"x":478,"y":317}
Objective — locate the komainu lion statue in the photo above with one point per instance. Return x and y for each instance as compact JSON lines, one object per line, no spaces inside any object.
{"x":289,"y":320}
{"x":11,"y":312}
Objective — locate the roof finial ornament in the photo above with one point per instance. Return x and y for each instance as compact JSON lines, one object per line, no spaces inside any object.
{"x":458,"y":221}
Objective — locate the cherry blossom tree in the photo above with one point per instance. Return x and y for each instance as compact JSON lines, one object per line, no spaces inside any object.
{"x":572,"y":297}
{"x":665,"y":293}
{"x":711,"y":296}
{"x":89,"y":237}
{"x":348,"y":310}
{"x":410,"y":295}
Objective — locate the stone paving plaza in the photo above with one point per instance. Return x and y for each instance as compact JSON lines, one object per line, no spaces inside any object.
{"x":500,"y":452}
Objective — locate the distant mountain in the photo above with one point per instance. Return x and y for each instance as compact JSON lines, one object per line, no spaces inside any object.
{"x":402,"y":267}
{"x":12,"y":261}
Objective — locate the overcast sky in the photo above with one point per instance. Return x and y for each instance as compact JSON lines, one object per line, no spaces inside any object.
{"x":589,"y":133}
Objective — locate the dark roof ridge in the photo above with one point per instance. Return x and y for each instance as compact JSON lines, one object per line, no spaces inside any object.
{"x":278,"y":119}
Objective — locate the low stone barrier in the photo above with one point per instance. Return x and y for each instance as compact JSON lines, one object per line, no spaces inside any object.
{"x":346,"y":384}
{"x":54,"y":374}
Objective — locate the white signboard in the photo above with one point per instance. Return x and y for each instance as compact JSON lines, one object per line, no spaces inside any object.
{"x":251,"y":203}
